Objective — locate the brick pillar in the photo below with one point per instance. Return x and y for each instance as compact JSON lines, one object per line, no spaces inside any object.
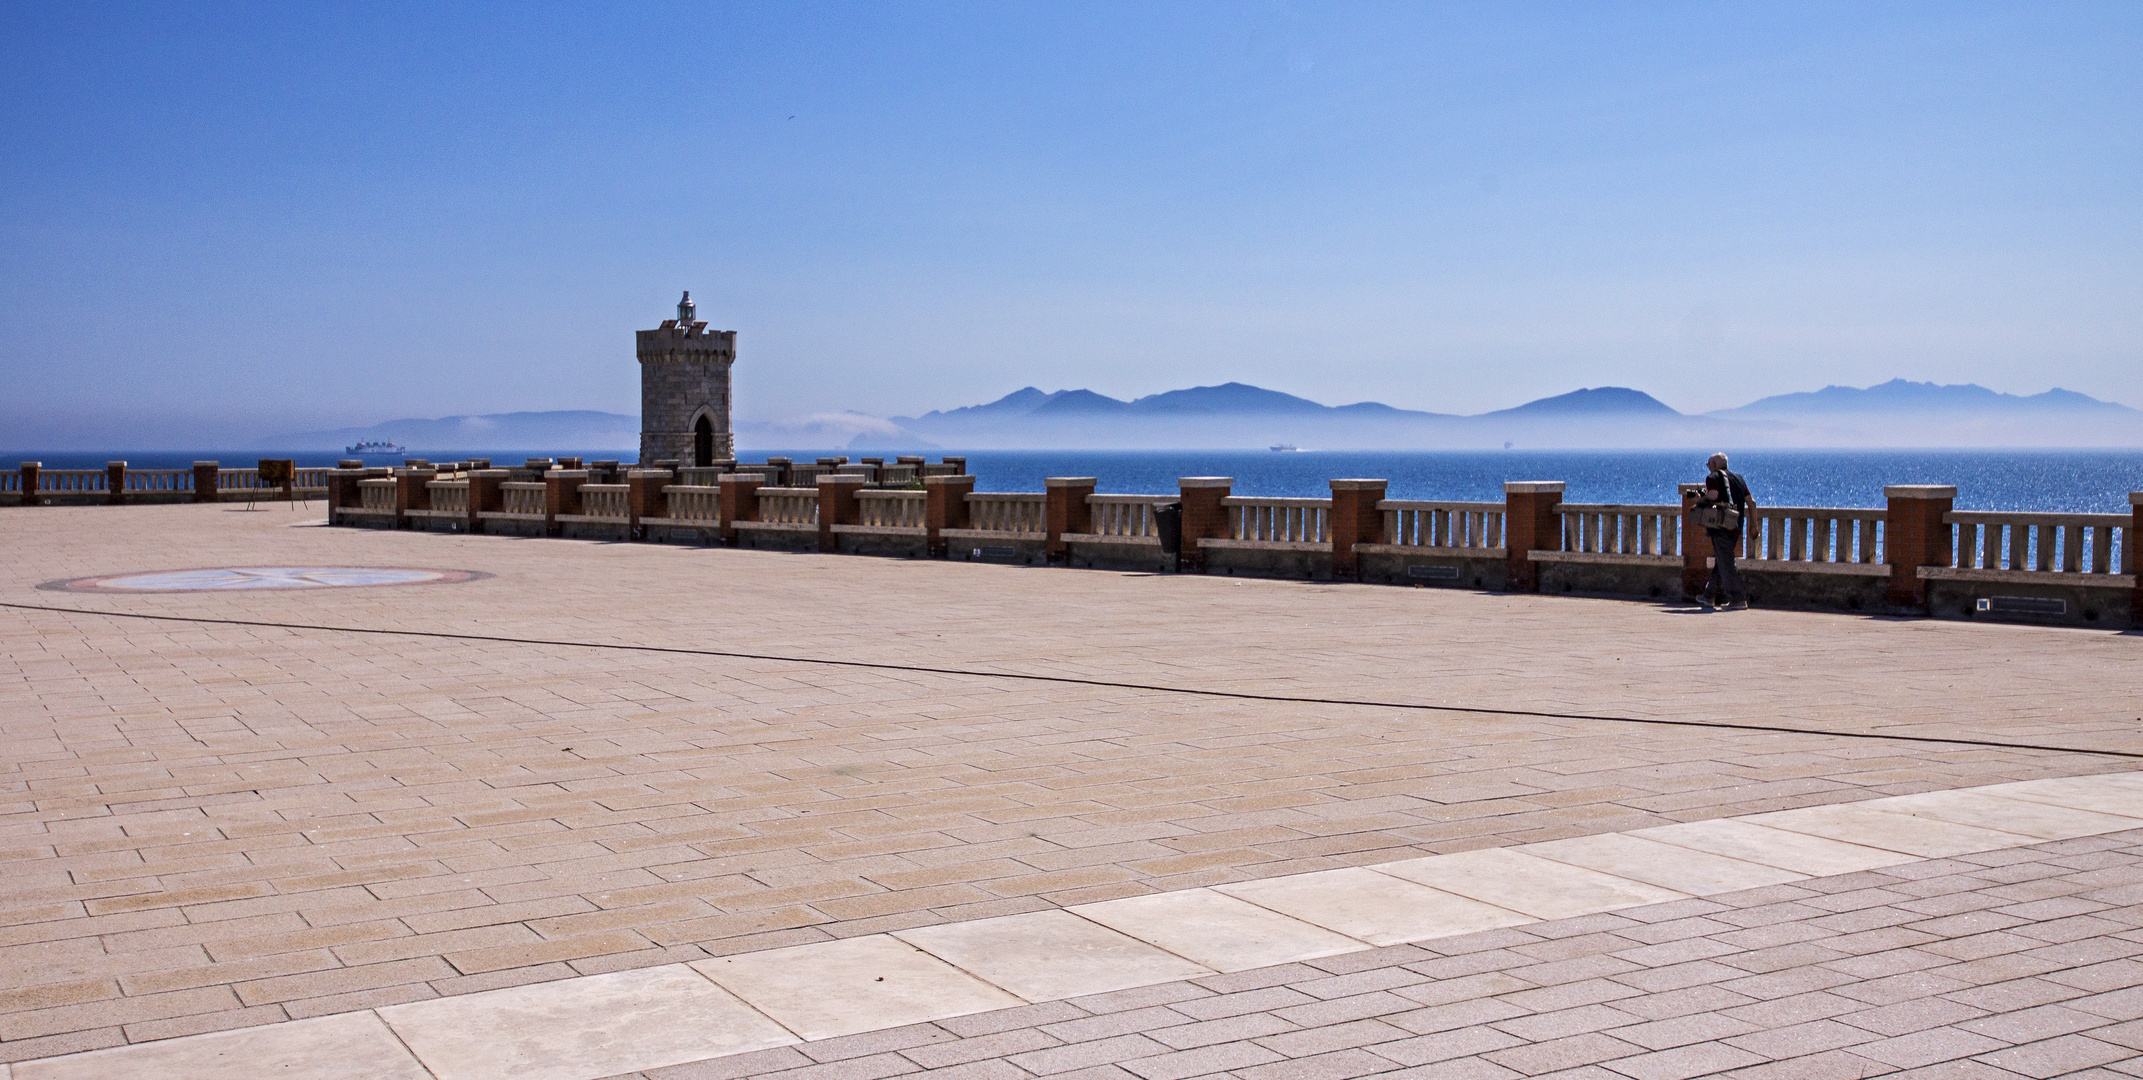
{"x":1203,"y":515}
{"x":644,"y":498}
{"x":1914,"y":535}
{"x":2132,"y":549}
{"x":30,"y":497}
{"x":1355,"y":520}
{"x":411,"y":494}
{"x":208,"y":476}
{"x":561,"y":495}
{"x":342,"y":490}
{"x":1064,"y":510}
{"x":1696,"y":543}
{"x":1530,"y":523}
{"x":944,"y":507}
{"x":485,"y":495}
{"x":738,"y":501}
{"x":115,"y":482}
{"x":837,"y":506}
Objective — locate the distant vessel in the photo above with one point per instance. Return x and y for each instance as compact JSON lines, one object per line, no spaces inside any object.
{"x":1286,"y":448}
{"x":363,"y":448}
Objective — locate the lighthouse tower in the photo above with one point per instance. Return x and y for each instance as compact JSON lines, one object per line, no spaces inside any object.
{"x":684,"y":390}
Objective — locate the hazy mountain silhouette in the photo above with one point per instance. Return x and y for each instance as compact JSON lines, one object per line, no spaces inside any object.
{"x":1239,"y":414}
{"x":573,"y":429}
{"x":1895,"y":413}
{"x":1900,"y":396}
{"x":1606,"y":400}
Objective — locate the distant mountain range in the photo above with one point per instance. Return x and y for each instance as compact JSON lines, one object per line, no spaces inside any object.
{"x":1895,"y":413}
{"x":577,"y":429}
{"x":1899,"y":396}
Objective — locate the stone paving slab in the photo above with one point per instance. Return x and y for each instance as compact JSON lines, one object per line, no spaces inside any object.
{"x":1944,"y":968}
{"x":582,"y":1028}
{"x":213,"y":827}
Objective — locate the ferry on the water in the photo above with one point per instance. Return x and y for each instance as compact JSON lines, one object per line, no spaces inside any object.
{"x":364,"y":448}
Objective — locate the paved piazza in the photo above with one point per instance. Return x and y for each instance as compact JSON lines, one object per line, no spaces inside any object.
{"x":241,"y":820}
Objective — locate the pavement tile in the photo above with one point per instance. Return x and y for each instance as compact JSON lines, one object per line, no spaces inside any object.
{"x":483,"y":816}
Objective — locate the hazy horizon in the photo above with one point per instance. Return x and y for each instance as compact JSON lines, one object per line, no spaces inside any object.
{"x":237,"y":223}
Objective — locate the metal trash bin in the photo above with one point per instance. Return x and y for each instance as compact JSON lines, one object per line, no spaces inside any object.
{"x":1168,"y":522}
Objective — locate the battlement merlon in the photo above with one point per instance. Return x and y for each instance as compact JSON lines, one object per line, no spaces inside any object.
{"x":670,"y":341}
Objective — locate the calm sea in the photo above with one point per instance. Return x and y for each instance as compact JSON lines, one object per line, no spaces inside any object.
{"x":2073,"y":481}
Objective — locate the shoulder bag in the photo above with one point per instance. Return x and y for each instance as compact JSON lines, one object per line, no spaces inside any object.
{"x":1721,"y":515}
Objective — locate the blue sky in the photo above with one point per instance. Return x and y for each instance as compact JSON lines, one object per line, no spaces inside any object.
{"x":232,"y":220}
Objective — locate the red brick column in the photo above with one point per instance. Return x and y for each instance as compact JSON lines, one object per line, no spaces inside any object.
{"x":1914,"y":535}
{"x":561,"y":495}
{"x":342,"y":489}
{"x":410,"y":493}
{"x":115,"y":482}
{"x":739,"y":501}
{"x":1696,"y":544}
{"x":944,"y":507}
{"x":208,"y":476}
{"x":30,"y":469}
{"x":1064,"y":510}
{"x":837,"y":506}
{"x":644,"y":498}
{"x":1355,"y":520}
{"x":1203,"y":515}
{"x":1530,"y":523}
{"x":2132,"y":545}
{"x":485,"y":495}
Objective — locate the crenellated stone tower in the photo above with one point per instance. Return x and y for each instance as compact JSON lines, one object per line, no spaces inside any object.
{"x":684,"y":390}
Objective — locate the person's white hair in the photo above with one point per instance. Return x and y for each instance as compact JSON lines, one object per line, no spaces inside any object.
{"x":1716,"y":461}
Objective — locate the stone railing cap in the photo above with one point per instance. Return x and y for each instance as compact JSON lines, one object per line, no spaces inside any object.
{"x":1920,"y":491}
{"x":197,"y":464}
{"x":109,"y":464}
{"x":840,"y":478}
{"x":943,"y":478}
{"x":1069,"y":481}
{"x":1533,"y":487}
{"x":1359,"y":485}
{"x":652,"y":472}
{"x":569,"y":473}
{"x":2135,"y":498}
{"x":493,"y":472}
{"x":1205,"y":481}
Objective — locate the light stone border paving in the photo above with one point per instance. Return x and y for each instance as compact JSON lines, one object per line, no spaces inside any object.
{"x":602,"y":1025}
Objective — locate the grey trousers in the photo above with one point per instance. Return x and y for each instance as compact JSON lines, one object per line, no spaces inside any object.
{"x":1725,"y":583}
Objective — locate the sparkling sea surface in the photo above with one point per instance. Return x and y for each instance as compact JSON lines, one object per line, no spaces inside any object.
{"x":2067,"y":481}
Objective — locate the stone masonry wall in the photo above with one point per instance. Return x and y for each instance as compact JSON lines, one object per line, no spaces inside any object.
{"x":684,"y":370}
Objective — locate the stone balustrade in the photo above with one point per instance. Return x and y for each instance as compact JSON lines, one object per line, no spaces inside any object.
{"x":1023,"y":513}
{"x":1279,"y":521}
{"x":1917,"y":554}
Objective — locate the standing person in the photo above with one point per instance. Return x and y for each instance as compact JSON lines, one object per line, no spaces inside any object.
{"x":1725,"y":488}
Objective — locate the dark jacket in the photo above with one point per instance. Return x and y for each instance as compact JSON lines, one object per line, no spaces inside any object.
{"x":1727,"y":487}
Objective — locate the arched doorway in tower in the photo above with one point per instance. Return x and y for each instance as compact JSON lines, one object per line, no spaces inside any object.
{"x":703,"y":443}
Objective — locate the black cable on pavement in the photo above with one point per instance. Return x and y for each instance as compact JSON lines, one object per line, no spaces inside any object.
{"x":1069,"y":680}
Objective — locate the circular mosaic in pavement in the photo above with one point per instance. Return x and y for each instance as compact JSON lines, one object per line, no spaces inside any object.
{"x":250,"y":578}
